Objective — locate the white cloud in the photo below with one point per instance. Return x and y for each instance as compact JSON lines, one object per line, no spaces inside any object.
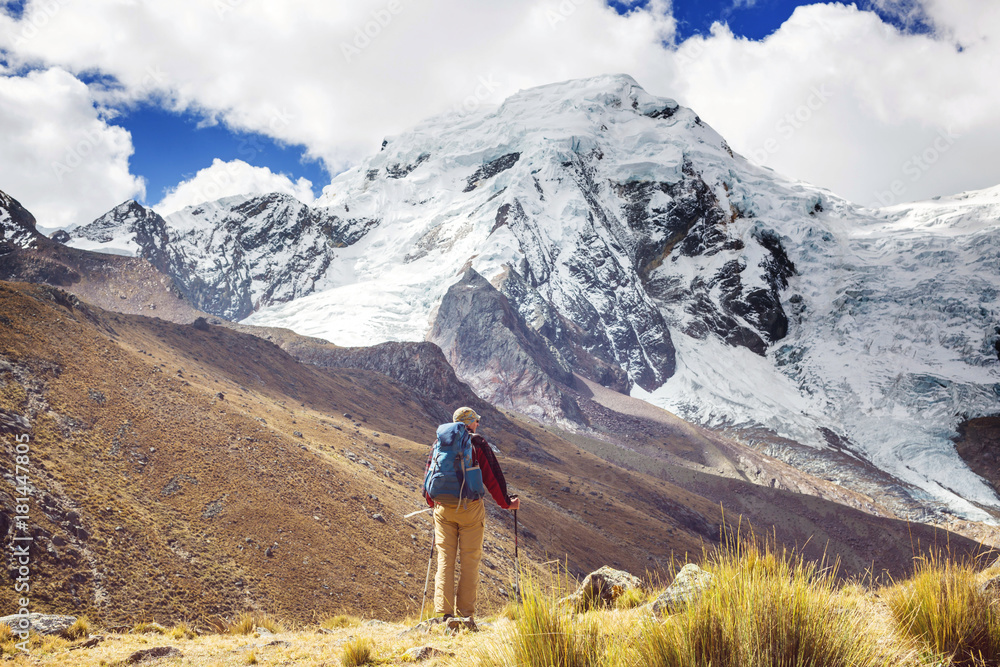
{"x":224,"y":179}
{"x":838,"y":98}
{"x":335,"y":76}
{"x":58,"y":157}
{"x":835,"y":96}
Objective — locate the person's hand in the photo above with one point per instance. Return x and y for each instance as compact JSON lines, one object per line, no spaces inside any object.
{"x":514,"y":503}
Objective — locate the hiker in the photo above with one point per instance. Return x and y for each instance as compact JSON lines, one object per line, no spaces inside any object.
{"x":459,"y":509}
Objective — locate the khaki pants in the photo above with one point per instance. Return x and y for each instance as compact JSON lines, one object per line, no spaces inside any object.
{"x":458,"y":531}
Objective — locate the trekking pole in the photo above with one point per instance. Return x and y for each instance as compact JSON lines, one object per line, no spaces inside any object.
{"x":517,"y":562}
{"x":427,"y":579}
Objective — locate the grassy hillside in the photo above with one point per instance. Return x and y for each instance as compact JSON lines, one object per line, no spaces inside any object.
{"x":185,"y":471}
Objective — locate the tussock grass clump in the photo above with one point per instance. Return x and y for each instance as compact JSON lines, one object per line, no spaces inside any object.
{"x":943,"y":606}
{"x":340,"y":621}
{"x":145,"y":627}
{"x":357,"y":652}
{"x":181,"y":631}
{"x":765,"y":609}
{"x":630,"y":599}
{"x":246,"y":622}
{"x":509,"y":611}
{"x":79,"y":630}
{"x":544,"y":634}
{"x":7,"y":639}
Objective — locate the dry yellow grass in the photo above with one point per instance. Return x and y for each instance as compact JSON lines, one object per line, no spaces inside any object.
{"x":309,"y":647}
{"x":766,"y":608}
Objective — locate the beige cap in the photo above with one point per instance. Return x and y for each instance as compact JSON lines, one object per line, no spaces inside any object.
{"x":465,"y":415}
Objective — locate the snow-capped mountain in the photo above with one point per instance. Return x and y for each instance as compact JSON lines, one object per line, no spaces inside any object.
{"x":233,"y":256}
{"x":633,"y":248}
{"x":17,"y":225}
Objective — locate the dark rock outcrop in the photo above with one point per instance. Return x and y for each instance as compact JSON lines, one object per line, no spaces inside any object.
{"x":491,"y":169}
{"x":505,"y":361}
{"x":978,"y":443}
{"x":583,"y":350}
{"x":420,"y":366}
{"x":11,"y":422}
{"x":17,"y":225}
{"x":154,"y":653}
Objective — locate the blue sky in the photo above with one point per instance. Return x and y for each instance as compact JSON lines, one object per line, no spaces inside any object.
{"x":172,"y":147}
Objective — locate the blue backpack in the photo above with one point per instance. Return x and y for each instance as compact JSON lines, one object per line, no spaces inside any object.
{"x":451,"y":472}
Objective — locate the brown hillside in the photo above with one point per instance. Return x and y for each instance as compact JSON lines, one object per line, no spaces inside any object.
{"x":181,"y":471}
{"x":113,"y":282}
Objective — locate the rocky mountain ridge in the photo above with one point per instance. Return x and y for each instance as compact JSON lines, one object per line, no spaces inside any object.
{"x":17,"y":225}
{"x":232,"y":257}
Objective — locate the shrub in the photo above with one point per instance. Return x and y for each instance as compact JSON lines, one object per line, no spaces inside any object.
{"x":358,"y":652}
{"x":943,"y":607}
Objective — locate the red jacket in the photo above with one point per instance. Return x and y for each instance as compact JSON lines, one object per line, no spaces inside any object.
{"x":493,"y":477}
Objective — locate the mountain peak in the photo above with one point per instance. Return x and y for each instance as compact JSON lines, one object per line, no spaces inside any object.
{"x":616,"y":91}
{"x":17,"y":225}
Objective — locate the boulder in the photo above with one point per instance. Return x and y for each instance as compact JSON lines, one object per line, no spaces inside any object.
{"x":152,"y":653}
{"x":687,"y":586}
{"x":43,"y":624}
{"x":991,"y":587}
{"x":13,"y":423}
{"x":601,"y":588}
{"x":418,"y":653}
